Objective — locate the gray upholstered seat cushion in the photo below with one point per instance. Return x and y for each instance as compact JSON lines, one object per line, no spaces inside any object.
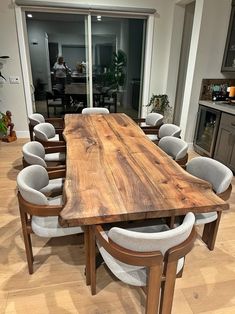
{"x":55,"y":157}
{"x":205,"y":218}
{"x":152,"y":137}
{"x":53,"y":186}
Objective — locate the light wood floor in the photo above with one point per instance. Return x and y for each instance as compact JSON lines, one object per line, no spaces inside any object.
{"x":58,"y":283}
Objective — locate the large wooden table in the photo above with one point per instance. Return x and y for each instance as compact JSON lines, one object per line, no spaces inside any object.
{"x":115,"y":173}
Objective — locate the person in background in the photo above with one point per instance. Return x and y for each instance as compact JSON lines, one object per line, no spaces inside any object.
{"x":60,"y":71}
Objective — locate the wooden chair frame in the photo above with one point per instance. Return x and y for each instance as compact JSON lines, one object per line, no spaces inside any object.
{"x":210,"y":230}
{"x":27,"y":210}
{"x":161,"y":269}
{"x":148,"y":129}
{"x":51,"y":165}
{"x":58,"y":123}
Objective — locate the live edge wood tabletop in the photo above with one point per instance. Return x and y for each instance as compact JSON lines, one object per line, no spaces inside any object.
{"x":115,"y":173}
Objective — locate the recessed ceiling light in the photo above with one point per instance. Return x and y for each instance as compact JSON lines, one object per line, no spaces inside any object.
{"x":98,"y":17}
{"x":29,"y":15}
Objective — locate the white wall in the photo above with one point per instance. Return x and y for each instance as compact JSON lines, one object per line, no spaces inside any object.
{"x":210,"y":26}
{"x":11,"y":95}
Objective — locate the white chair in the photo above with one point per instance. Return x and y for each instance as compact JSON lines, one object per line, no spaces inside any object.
{"x":220,"y":178}
{"x":51,"y":158}
{"x":146,"y":256}
{"x":37,"y":118}
{"x":176,"y":148}
{"x":152,"y":119}
{"x":167,"y":129}
{"x":45,"y":133}
{"x":39,"y":213}
{"x":95,"y":110}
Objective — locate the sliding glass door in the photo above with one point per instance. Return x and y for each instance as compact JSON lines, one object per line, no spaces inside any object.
{"x":81,"y":60}
{"x":117,"y":54}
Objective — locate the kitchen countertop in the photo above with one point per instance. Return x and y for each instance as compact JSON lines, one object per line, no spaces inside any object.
{"x":218,"y":105}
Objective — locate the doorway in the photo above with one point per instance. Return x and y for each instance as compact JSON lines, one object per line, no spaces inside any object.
{"x":116,"y":51}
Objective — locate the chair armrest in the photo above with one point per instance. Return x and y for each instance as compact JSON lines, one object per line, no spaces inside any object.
{"x":55,"y":168}
{"x":226,"y":194}
{"x":38,"y":210}
{"x":139,"y":120}
{"x":51,"y":143}
{"x":179,"y":251}
{"x":57,"y":122}
{"x":55,"y":174}
{"x":57,"y":149}
{"x":124,"y":255}
{"x":150,"y":130}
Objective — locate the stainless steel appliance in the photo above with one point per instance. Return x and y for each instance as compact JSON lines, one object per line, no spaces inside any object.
{"x":208,"y":120}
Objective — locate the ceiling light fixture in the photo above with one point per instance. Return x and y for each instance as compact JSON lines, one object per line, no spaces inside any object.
{"x":98,"y":18}
{"x":29,"y":15}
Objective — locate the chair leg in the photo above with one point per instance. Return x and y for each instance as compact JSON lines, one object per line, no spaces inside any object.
{"x":92,"y":261}
{"x":168,"y":287}
{"x":28,"y":250}
{"x":153,"y":289}
{"x":210,"y":232}
{"x":87,"y":252}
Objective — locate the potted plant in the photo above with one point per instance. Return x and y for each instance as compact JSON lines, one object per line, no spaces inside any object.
{"x":115,"y":75}
{"x":3,"y":127}
{"x":159,"y":103}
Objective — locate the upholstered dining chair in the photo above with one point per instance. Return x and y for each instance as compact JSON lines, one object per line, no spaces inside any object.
{"x":45,"y":133}
{"x":38,"y":210}
{"x":51,"y":158}
{"x":95,"y":110}
{"x":176,"y":148}
{"x":220,"y":178}
{"x":148,"y":257}
{"x":166,"y":129}
{"x":151,"y":124}
{"x":37,"y":118}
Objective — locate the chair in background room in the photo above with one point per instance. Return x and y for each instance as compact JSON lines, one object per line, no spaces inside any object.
{"x":54,"y":101}
{"x":109,"y":100}
{"x":151,"y":124}
{"x":167,"y":129}
{"x":176,"y":148}
{"x":37,"y":118}
{"x":51,"y":158}
{"x":38,"y":212}
{"x":220,"y":178}
{"x":45,"y":133}
{"x":95,"y":110}
{"x":148,"y":257}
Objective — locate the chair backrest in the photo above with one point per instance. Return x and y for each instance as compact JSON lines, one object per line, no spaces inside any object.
{"x":34,"y":153}
{"x":36,"y":118}
{"x":154,"y":119}
{"x":147,"y":242}
{"x":173,"y":146}
{"x":169,"y":129}
{"x":95,"y":110}
{"x":44,"y":131}
{"x":30,"y":181}
{"x":212,"y":171}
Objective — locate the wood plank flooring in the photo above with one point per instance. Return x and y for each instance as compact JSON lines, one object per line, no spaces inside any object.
{"x":58,"y":282}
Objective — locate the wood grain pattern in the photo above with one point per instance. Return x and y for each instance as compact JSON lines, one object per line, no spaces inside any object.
{"x":115,"y":173}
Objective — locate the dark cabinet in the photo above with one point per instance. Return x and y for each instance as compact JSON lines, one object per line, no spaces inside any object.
{"x":225,"y":144}
{"x":228,"y":64}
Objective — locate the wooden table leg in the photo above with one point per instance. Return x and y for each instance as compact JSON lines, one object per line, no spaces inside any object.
{"x":210,"y":232}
